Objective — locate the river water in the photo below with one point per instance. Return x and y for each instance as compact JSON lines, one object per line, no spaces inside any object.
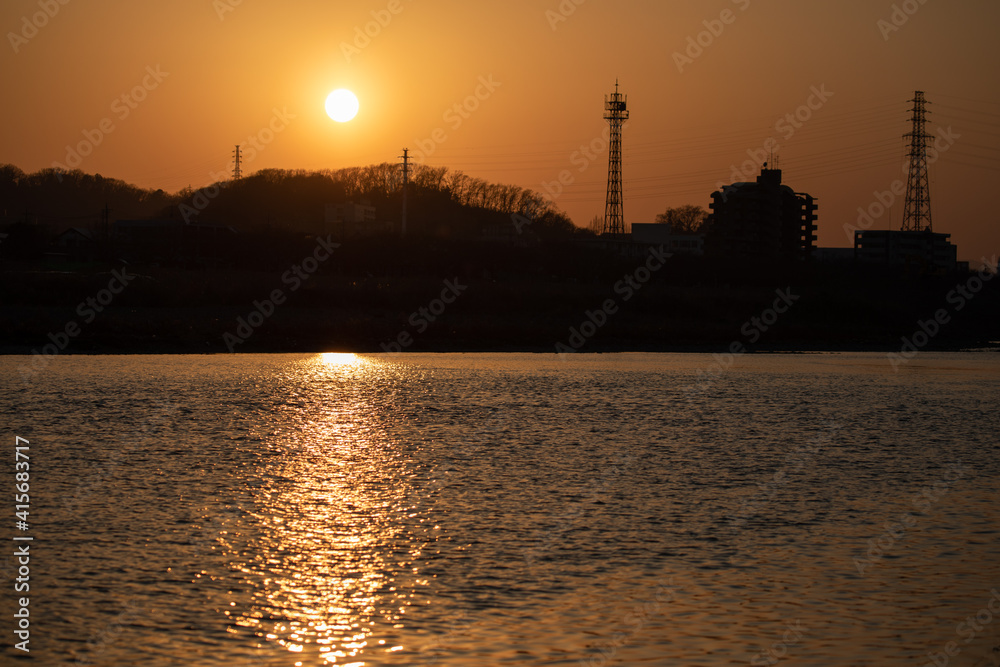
{"x":492,"y":509}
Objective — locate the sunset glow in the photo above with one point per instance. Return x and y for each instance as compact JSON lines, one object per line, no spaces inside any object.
{"x":702,"y":105}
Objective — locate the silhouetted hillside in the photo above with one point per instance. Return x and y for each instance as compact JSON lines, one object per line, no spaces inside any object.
{"x":53,"y":195}
{"x":441,"y":203}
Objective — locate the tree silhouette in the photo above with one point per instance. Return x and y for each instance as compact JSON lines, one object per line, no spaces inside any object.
{"x":687,"y":219}
{"x":442,"y":203}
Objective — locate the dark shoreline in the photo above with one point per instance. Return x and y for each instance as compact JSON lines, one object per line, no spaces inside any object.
{"x":688,"y":307}
{"x":803,"y":349}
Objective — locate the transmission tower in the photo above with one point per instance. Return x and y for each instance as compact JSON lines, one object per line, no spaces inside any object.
{"x":616,"y":113}
{"x":236,"y":164}
{"x":917,"y":213}
{"x":406,"y":181}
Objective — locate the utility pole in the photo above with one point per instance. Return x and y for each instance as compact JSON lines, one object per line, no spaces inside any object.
{"x":616,"y":113}
{"x":237,"y":156}
{"x":106,"y":223}
{"x":917,"y":212}
{"x":406,"y":180}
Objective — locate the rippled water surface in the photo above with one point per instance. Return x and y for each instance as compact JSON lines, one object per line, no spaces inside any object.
{"x":636,"y":509}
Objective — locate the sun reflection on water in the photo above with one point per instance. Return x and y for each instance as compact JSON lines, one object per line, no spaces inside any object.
{"x":341,"y":359}
{"x":331,"y":565}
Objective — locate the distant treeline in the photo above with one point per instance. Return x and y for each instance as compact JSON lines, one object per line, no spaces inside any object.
{"x":53,"y":194}
{"x":441,"y":202}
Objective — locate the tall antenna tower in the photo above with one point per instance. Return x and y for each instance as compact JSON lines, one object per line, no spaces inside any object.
{"x":616,"y":113}
{"x":237,"y":156}
{"x":917,"y":213}
{"x":406,"y":181}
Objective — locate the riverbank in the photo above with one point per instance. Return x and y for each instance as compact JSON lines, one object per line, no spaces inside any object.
{"x":222,"y":313}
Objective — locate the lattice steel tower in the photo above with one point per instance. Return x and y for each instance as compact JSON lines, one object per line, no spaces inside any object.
{"x":237,"y":159}
{"x":406,"y":182}
{"x":616,"y":113}
{"x":917,"y":214}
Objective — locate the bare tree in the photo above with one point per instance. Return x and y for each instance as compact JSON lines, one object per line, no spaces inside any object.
{"x":686,"y":219}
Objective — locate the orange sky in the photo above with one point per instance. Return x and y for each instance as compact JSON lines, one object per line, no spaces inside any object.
{"x":213,"y":73}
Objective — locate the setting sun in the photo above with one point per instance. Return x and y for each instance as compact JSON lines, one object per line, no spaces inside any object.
{"x":342,"y":105}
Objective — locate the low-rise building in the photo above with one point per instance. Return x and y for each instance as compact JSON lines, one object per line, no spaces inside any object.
{"x":173,"y":240}
{"x":661,"y":234}
{"x":923,"y":249}
{"x":75,"y":237}
{"x":350,"y":219}
{"x":834,"y":255}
